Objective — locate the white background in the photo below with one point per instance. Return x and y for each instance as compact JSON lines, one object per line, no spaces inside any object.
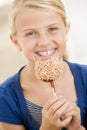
{"x":2,"y":2}
{"x":77,"y":16}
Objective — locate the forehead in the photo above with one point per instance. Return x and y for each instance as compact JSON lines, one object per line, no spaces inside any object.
{"x":37,"y":18}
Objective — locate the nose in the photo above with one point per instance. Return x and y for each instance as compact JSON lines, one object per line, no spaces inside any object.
{"x":44,"y":39}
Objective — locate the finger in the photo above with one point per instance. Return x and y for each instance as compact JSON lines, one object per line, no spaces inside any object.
{"x":74,"y":112}
{"x":52,"y":101}
{"x":61,"y":110}
{"x":66,"y":121}
{"x":74,"y":107}
{"x":71,"y":107}
{"x":56,"y":106}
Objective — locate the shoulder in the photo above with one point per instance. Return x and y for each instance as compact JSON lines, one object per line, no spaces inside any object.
{"x":9,"y":83}
{"x":82,"y":68}
{"x":8,"y":87}
{"x":9,"y":105}
{"x":79,"y":72}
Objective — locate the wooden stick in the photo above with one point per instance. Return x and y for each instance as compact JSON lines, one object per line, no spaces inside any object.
{"x":53,"y":87}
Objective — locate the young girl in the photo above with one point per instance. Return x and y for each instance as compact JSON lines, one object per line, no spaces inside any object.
{"x":29,"y":101}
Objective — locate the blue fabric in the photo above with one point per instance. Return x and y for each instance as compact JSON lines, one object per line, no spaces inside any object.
{"x":13,"y":108}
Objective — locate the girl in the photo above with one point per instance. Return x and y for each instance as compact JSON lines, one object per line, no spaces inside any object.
{"x":40,"y":30}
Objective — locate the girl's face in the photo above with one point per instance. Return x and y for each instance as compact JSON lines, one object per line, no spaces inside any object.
{"x":40,"y":34}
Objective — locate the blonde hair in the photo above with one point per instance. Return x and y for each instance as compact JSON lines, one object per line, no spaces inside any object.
{"x":52,"y":5}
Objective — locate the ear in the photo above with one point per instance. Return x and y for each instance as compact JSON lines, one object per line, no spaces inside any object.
{"x":68,"y":27}
{"x":67,"y":30}
{"x":15,"y":42}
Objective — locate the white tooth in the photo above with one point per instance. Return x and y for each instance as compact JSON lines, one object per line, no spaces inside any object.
{"x":49,"y":52}
{"x":46,"y":53}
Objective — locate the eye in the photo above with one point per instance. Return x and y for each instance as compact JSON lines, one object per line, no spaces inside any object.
{"x":52,"y":29}
{"x":30,"y":33}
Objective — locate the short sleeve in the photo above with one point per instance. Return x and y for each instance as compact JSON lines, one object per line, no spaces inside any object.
{"x":9,"y":111}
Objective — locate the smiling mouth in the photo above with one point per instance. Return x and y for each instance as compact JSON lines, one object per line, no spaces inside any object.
{"x":46,"y":53}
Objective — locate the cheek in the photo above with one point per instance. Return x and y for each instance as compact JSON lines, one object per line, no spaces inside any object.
{"x":60,"y":40}
{"x":27,"y":45}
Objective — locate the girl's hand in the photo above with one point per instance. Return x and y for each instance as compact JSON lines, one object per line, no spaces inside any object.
{"x":75,"y":123}
{"x":53,"y":112}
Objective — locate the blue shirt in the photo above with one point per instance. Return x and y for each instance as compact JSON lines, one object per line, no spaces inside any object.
{"x":13,"y":107}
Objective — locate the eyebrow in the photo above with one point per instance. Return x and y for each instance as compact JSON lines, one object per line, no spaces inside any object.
{"x":55,"y":24}
{"x":46,"y":26}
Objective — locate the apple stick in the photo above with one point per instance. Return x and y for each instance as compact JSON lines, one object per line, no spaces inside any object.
{"x":53,"y":87}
